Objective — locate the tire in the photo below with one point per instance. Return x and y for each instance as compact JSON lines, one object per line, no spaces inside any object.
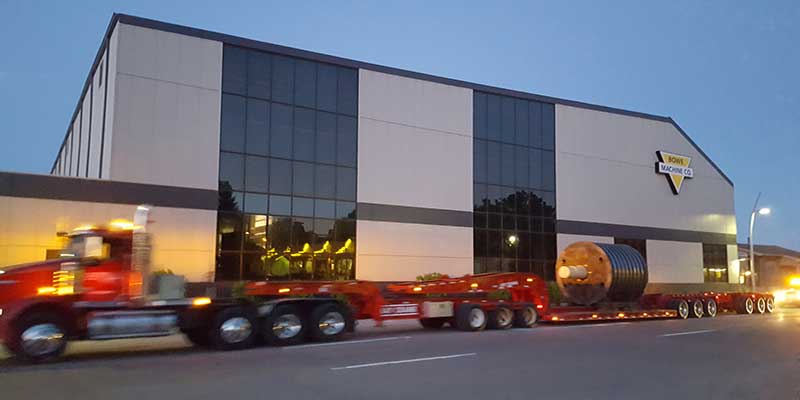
{"x":199,"y":337}
{"x":500,"y":318}
{"x":432,"y":323}
{"x":710,"y":308}
{"x":761,"y":305}
{"x":329,"y":322}
{"x":745,"y":305}
{"x":38,"y":337}
{"x":471,"y":318}
{"x":696,"y":308}
{"x":526,"y":317}
{"x":285,"y":326}
{"x":681,"y":306}
{"x":233,"y":329}
{"x":770,"y":304}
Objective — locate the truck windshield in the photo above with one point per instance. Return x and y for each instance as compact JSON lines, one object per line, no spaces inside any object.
{"x":84,"y":246}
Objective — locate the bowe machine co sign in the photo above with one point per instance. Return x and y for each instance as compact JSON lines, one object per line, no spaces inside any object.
{"x":675,"y":167}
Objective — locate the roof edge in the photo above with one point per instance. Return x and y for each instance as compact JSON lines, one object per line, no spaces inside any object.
{"x":310,"y":55}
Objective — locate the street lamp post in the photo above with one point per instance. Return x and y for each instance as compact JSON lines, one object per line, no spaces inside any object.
{"x":760,"y":211}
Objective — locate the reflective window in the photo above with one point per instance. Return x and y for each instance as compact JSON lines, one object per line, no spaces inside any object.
{"x":326,"y":138}
{"x":281,"y":131}
{"x":346,"y":141}
{"x":302,"y":207}
{"x":234,"y":70}
{"x":283,"y":79}
{"x":231,"y":171}
{"x":326,"y":87}
{"x":305,"y":121}
{"x":280,"y":176}
{"x":303,"y":179}
{"x":232,"y":131}
{"x":257,"y":173}
{"x":287,"y":190}
{"x":259,"y":71}
{"x":325,"y":181}
{"x":305,"y":87}
{"x":255,"y":203}
{"x":257,"y":141}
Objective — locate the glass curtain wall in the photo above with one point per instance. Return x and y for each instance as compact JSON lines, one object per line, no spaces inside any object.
{"x":287,"y":168}
{"x":514,"y":185}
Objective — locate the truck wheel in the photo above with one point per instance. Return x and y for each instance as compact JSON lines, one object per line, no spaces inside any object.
{"x":286,"y":326}
{"x":770,"y":305}
{"x":198,"y":337}
{"x":470,"y":317}
{"x":697,"y":308}
{"x":38,"y":337}
{"x":681,"y":306}
{"x":526,"y":317}
{"x":432,"y":323}
{"x":711,"y":308}
{"x":500,"y":318}
{"x":761,"y":305}
{"x":328,"y":322}
{"x":233,"y":329}
{"x":745,"y":305}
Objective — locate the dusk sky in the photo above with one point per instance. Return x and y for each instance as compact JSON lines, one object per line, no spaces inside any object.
{"x":727,"y":72}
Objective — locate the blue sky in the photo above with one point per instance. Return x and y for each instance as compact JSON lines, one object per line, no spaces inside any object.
{"x":726,"y":71}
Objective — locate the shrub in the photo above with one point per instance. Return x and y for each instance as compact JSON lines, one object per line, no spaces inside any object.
{"x":554,"y":293}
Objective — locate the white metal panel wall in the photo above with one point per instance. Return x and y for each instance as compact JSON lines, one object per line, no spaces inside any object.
{"x":391,"y":251}
{"x":605,"y":173}
{"x":565,"y":240}
{"x":414,"y":143}
{"x":166,"y":109}
{"x":73,"y":145}
{"x":84,"y":135}
{"x":674,"y":262}
{"x":107,"y":133}
{"x":94,"y":142}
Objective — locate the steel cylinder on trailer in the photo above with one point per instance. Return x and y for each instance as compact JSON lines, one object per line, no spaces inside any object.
{"x":588,"y":273}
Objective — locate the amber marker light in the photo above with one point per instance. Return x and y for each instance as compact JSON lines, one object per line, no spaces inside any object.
{"x":201,"y":301}
{"x":284,"y":290}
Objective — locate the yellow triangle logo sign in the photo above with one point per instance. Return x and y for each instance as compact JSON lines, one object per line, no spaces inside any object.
{"x":675,"y":167}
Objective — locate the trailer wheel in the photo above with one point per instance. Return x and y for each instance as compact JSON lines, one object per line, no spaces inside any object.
{"x":697,"y":309}
{"x":526,"y":317}
{"x":328,"y":322}
{"x":432,"y":323}
{"x":233,"y":329}
{"x":770,"y":305}
{"x":285,"y":326}
{"x":745,"y":305}
{"x":761,"y":305}
{"x":470,"y":317}
{"x":711,"y":308}
{"x":681,"y":306}
{"x":501,"y":318}
{"x":38,"y":337}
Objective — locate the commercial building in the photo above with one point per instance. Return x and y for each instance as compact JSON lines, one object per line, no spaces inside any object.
{"x":269,"y":161}
{"x":774,"y":266}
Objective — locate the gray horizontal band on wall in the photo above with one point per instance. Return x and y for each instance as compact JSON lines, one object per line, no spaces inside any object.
{"x":413,"y":215}
{"x":101,"y":191}
{"x":641,"y":232}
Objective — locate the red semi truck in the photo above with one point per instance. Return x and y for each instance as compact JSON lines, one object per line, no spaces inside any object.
{"x":97,"y":290}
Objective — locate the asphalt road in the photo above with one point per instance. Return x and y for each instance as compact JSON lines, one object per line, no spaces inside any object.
{"x":729,"y":357}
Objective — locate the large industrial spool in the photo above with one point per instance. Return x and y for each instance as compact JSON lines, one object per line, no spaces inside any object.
{"x":588,"y":273}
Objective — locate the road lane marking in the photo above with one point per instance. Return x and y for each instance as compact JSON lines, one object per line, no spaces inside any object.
{"x":303,"y":346}
{"x":687,"y":333}
{"x":413,"y":360}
